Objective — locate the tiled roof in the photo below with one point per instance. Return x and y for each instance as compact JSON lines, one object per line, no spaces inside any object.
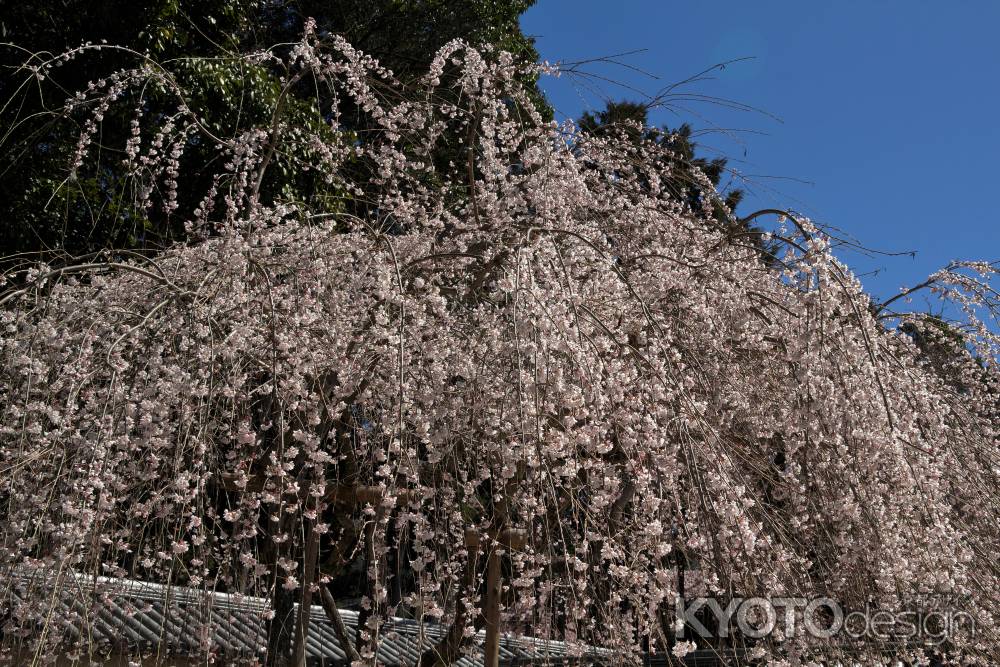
{"x":119,"y":614}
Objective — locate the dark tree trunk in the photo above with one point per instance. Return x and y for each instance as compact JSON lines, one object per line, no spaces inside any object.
{"x":280,"y":628}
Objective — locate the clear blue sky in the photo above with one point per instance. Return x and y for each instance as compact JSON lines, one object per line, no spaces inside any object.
{"x":889,"y":109}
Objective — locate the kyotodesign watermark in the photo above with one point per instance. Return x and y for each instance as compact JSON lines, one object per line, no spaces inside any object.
{"x":819,"y":617}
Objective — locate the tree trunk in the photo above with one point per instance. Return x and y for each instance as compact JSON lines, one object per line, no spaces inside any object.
{"x":279,"y":628}
{"x":305,"y":604}
{"x":446,"y":651}
{"x":282,"y":625}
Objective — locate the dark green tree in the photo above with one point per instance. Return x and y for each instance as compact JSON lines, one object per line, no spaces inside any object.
{"x":47,"y":211}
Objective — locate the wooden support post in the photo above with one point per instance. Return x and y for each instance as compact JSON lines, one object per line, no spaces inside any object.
{"x":491,"y":611}
{"x":343,"y":636}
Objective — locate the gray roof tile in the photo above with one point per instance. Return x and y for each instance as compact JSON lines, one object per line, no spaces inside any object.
{"x":142,"y":616}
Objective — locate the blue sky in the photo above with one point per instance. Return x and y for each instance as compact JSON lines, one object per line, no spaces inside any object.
{"x":889,"y":110}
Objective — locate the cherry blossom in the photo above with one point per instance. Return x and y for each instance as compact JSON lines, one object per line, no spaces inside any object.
{"x":520,"y":385}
